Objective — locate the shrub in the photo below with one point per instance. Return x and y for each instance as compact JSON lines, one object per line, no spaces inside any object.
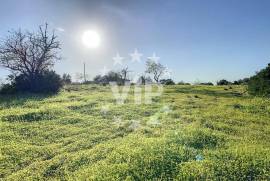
{"x":167,"y":82}
{"x":206,"y":83}
{"x":259,"y":84}
{"x":47,"y":82}
{"x":241,"y":81}
{"x":7,"y":89}
{"x":109,"y":77}
{"x":223,"y":82}
{"x":182,"y":83}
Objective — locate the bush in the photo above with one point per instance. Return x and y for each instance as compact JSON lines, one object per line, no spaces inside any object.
{"x":259,"y":84}
{"x":223,"y":82}
{"x":167,"y":82}
{"x":109,"y":77}
{"x":182,"y":83}
{"x":206,"y":83}
{"x":241,"y":81}
{"x":47,"y":82}
{"x":7,"y":89}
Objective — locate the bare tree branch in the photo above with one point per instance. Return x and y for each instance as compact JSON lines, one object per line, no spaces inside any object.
{"x":29,"y":53}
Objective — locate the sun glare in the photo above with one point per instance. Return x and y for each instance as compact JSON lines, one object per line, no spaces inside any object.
{"x":91,"y":39}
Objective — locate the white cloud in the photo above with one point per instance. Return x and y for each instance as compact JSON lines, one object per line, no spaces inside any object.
{"x":60,"y":29}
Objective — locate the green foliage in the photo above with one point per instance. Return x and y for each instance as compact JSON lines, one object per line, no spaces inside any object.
{"x":206,"y":83}
{"x":109,"y":77}
{"x":241,"y":81}
{"x":68,"y":137}
{"x":47,"y":82}
{"x":7,"y":89}
{"x":201,"y":139}
{"x":182,"y":83}
{"x":155,"y":68}
{"x":240,"y":164}
{"x":167,"y":82}
{"x":223,"y":82}
{"x":259,"y":84}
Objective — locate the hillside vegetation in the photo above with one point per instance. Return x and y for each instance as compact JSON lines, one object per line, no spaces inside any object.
{"x":190,"y":132}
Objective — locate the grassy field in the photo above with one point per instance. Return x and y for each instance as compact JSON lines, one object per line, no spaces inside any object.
{"x":188,"y":133}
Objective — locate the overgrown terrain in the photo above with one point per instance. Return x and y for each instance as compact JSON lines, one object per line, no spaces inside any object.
{"x":190,"y":132}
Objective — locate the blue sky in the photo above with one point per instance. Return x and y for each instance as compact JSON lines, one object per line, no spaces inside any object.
{"x":199,"y":40}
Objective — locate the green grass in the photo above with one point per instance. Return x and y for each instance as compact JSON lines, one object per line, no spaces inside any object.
{"x":70,"y":137}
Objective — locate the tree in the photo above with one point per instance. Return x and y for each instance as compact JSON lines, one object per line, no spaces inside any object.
{"x":223,"y":82}
{"x":143,"y":79}
{"x":66,"y":79}
{"x":123,"y":74}
{"x":109,"y":77}
{"x":30,"y":54}
{"x":241,"y":81}
{"x":155,"y":68}
{"x":259,"y":84}
{"x":113,"y":77}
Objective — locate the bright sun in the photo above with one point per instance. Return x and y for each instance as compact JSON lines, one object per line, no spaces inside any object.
{"x":91,"y":39}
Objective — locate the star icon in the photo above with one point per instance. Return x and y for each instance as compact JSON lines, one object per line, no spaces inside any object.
{"x":136,"y":56}
{"x":118,"y":59}
{"x":154,"y":58}
{"x":104,"y":71}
